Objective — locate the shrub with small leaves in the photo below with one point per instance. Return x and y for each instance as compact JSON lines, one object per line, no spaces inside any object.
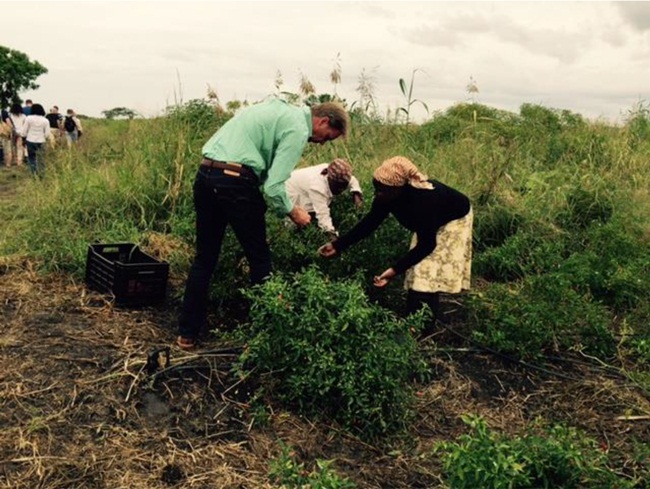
{"x":553,"y":457}
{"x":289,"y":473}
{"x":198,"y":113}
{"x":584,"y":207}
{"x":494,"y":223}
{"x":521,"y":255}
{"x":539,"y":314}
{"x":323,"y":349}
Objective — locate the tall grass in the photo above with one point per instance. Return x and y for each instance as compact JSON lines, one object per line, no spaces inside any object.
{"x":547,"y":187}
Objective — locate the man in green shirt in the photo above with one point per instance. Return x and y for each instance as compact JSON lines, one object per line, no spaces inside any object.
{"x":255,"y":150}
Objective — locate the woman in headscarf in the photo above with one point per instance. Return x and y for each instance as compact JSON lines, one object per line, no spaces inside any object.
{"x":441,"y":218}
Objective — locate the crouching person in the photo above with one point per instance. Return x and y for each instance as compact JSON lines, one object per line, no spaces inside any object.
{"x":440,"y":217}
{"x":313,"y":188}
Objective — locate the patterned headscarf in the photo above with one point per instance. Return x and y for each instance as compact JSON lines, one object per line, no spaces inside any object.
{"x":339,"y":171}
{"x":398,"y":171}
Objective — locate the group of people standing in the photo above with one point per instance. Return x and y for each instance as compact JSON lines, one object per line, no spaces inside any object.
{"x":25,"y":132}
{"x":256,"y":153}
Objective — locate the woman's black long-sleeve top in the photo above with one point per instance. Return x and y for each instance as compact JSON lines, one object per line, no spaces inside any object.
{"x":422,"y":211}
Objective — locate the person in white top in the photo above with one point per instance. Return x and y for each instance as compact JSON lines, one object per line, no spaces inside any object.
{"x":314,"y":187}
{"x":36,"y":131}
{"x":17,"y":151}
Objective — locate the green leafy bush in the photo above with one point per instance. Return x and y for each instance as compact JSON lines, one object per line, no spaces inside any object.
{"x":612,"y":264}
{"x":294,"y":250}
{"x":493,"y":224}
{"x":198,"y":113}
{"x":540,"y":314}
{"x":523,"y":254}
{"x":323,"y":349}
{"x":554,"y":458}
{"x":584,"y":207}
{"x":289,"y":473}
{"x":540,"y":119}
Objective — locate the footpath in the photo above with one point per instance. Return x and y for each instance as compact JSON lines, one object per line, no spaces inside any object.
{"x":10,"y":178}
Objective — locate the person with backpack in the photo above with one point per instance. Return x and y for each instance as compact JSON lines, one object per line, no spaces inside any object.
{"x":72,"y":127}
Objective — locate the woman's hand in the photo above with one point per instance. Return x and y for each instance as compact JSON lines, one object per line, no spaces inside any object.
{"x":327,"y":251}
{"x":383,"y":279}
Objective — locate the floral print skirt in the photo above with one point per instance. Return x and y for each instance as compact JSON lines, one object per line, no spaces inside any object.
{"x":449,"y":267}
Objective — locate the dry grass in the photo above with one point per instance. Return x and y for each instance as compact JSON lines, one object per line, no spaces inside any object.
{"x":85,"y":403}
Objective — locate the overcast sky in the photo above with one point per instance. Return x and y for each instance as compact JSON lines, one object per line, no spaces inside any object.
{"x":588,"y":57}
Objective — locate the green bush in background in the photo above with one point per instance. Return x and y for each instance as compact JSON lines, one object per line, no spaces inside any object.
{"x":540,"y":315}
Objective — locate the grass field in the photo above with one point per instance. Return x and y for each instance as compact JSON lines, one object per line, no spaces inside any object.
{"x":539,"y":376}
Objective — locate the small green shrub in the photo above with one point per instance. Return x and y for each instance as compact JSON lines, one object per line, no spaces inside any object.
{"x":540,"y":314}
{"x":288,"y":473}
{"x":637,"y":125}
{"x":584,"y":207}
{"x":612,"y":265}
{"x":294,"y":250}
{"x":197,"y":113}
{"x":540,"y":119}
{"x":323,"y":349}
{"x":554,"y":458}
{"x":523,"y":254}
{"x":493,"y":225}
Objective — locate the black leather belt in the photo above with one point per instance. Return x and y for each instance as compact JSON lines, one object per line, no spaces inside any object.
{"x":230,"y":169}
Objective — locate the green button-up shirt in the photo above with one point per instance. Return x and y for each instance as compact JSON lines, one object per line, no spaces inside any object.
{"x":269,"y":137}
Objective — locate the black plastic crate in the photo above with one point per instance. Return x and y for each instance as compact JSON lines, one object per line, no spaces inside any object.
{"x":133,"y":277}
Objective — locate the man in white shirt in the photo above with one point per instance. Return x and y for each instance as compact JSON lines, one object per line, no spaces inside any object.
{"x":314,"y":187}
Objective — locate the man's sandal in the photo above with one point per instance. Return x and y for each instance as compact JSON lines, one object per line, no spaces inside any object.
{"x":186,"y":343}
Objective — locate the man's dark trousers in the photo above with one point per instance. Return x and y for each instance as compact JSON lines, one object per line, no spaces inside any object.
{"x":221,"y":200}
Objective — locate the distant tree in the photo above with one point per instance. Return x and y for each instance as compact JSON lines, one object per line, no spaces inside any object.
{"x":118,"y":112}
{"x":17,"y":73}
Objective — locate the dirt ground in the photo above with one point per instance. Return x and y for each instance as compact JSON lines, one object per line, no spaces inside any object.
{"x":94,"y":396}
{"x":9,"y":180}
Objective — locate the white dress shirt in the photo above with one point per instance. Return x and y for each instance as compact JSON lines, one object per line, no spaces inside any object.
{"x":308,"y":188}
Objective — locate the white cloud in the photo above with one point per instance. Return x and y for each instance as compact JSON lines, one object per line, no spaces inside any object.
{"x":588,"y":57}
